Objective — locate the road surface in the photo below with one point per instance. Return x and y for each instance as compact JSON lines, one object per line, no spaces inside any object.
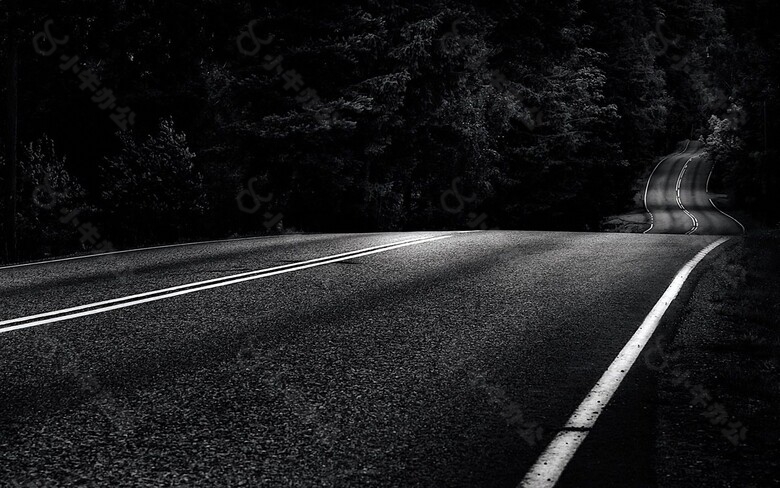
{"x":406,"y":359}
{"x":678,"y":200}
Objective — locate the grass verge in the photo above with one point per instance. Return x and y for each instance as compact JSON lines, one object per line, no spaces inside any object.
{"x":718,"y":419}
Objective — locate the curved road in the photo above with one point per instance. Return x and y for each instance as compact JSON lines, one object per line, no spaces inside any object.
{"x":677,"y":198}
{"x":406,"y":359}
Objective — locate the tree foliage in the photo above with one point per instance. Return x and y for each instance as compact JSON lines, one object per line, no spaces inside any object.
{"x":360,"y":115}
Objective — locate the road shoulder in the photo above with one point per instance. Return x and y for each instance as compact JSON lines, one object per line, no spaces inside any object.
{"x":718,"y":411}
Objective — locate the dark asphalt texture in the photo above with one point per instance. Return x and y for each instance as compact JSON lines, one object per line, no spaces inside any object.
{"x":449,"y":363}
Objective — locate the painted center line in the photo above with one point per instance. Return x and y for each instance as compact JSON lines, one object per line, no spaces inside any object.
{"x":679,"y":197}
{"x":152,"y":296}
{"x":650,"y":178}
{"x":550,"y":465}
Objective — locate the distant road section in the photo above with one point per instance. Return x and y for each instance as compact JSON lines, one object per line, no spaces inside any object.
{"x":678,"y":200}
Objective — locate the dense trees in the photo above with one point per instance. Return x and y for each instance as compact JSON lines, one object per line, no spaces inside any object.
{"x":363,"y":114}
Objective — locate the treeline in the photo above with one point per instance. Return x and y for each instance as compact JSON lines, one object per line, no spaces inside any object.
{"x":147,"y":119}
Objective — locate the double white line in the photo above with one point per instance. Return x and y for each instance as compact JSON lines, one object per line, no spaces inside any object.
{"x":679,"y":199}
{"x":153,"y":296}
{"x":647,"y":187}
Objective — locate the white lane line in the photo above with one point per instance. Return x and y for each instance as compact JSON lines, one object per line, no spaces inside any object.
{"x":130,"y":301}
{"x":199,"y":283}
{"x":647,"y":188}
{"x":744,"y":231}
{"x":679,"y":199}
{"x":102,"y":254}
{"x":550,"y":465}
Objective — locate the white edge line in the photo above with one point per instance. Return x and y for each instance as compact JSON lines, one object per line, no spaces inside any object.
{"x":647,"y":188}
{"x":198,"y":283}
{"x":140,"y":249}
{"x":264,"y":274}
{"x":707,"y":189}
{"x":553,"y":460}
{"x":744,"y":231}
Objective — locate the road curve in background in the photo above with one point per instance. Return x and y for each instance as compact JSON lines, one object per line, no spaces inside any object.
{"x":451,"y":361}
{"x":677,"y":198}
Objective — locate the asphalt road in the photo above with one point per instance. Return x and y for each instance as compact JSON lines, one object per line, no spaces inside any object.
{"x":678,"y":199}
{"x":448,"y":362}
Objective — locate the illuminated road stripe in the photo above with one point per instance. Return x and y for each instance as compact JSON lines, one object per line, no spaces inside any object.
{"x":647,"y":188}
{"x":679,"y":199}
{"x":744,"y":231}
{"x":727,"y":215}
{"x":189,"y":285}
{"x":551,"y":464}
{"x":134,"y":300}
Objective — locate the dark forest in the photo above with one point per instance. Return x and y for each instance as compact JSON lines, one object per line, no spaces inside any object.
{"x":165,"y":121}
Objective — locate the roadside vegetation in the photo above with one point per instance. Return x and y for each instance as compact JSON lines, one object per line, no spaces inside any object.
{"x":719,"y":393}
{"x":361,"y":115}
